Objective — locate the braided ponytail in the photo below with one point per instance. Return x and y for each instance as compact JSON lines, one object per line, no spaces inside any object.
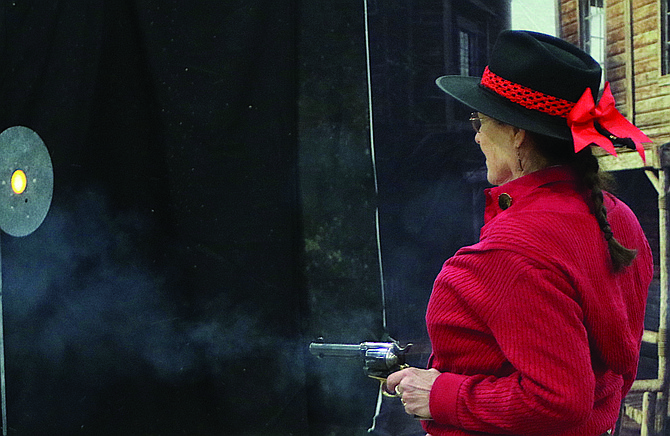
{"x":593,"y":180}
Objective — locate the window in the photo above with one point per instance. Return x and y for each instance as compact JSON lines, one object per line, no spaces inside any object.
{"x":471,"y":47}
{"x":470,"y":44}
{"x":665,"y":37}
{"x":464,"y":52}
{"x":593,"y":31}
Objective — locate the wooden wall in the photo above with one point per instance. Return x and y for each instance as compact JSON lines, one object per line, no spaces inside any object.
{"x":633,"y":61}
{"x":569,"y":16}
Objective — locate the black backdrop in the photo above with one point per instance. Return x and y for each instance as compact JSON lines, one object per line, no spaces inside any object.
{"x":213,"y":212}
{"x":163,"y":293}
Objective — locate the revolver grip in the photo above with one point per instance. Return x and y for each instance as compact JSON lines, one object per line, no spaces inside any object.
{"x":382,"y":382}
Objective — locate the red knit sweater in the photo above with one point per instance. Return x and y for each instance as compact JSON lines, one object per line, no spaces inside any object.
{"x":532,"y":331}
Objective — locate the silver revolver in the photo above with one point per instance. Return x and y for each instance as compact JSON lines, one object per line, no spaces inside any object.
{"x":380,"y":359}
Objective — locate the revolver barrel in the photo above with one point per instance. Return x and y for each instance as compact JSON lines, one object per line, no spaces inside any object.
{"x":335,"y":350}
{"x":379,"y":358}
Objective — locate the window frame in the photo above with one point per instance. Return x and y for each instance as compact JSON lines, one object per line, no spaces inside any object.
{"x":665,"y":37}
{"x":587,"y":18}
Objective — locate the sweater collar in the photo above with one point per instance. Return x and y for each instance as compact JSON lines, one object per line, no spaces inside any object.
{"x":503,"y":197}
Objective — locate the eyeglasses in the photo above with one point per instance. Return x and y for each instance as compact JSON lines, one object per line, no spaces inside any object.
{"x":476,"y":121}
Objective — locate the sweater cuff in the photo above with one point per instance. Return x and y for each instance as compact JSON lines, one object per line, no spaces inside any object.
{"x":443,"y":402}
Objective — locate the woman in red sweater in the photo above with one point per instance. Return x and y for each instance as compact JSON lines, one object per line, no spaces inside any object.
{"x":536,"y":329}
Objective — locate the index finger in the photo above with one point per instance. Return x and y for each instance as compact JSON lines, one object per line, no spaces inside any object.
{"x":394,"y":379}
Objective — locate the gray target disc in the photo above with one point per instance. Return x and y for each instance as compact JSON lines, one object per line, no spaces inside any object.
{"x":23,"y":206}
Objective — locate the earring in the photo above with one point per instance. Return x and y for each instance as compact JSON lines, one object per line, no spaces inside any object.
{"x":518,"y":158}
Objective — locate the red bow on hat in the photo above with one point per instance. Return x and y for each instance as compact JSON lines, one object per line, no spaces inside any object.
{"x":582,"y":117}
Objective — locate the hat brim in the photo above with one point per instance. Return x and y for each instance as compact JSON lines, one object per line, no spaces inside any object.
{"x":470,"y":92}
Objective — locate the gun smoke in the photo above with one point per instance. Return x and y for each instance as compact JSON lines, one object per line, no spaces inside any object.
{"x":88,"y":310}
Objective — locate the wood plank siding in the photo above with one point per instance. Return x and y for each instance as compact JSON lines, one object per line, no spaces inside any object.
{"x":633,"y":64}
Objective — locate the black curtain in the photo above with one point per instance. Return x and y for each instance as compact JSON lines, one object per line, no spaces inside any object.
{"x":162,"y":294}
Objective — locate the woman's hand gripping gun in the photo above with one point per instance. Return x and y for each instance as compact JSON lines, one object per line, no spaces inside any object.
{"x":379,"y":358}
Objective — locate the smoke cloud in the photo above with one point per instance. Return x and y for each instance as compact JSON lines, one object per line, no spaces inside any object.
{"x":93,"y":328}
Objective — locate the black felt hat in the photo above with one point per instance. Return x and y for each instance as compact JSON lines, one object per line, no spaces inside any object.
{"x":531,"y":81}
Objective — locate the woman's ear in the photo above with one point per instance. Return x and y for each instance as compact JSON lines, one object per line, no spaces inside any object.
{"x":520,"y":137}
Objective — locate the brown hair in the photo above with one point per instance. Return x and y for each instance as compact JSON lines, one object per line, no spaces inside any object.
{"x":592,"y":179}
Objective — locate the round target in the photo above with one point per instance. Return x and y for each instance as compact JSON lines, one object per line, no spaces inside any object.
{"x":26,"y":181}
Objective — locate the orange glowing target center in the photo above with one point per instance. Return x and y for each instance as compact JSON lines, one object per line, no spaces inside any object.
{"x":19,"y":182}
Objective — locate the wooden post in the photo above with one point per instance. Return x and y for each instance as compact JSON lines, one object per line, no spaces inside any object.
{"x":664,"y":300}
{"x":630,"y":59}
{"x":648,"y":407}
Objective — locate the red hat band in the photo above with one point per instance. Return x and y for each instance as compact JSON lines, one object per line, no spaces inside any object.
{"x":580,"y":116}
{"x":525,"y":96}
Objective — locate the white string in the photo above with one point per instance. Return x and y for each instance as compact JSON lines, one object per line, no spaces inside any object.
{"x":374,"y":164}
{"x":378,"y":409}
